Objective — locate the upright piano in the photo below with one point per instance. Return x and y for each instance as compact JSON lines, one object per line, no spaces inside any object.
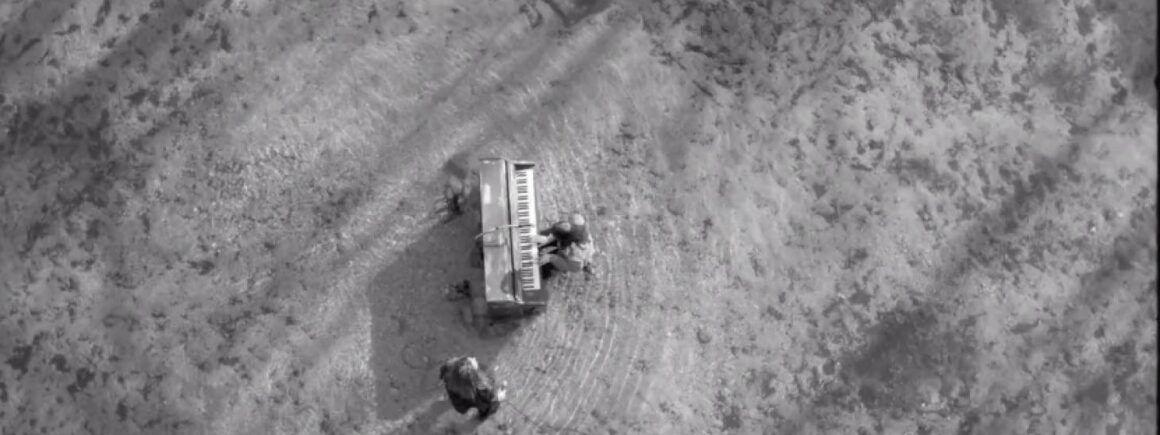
{"x":509,"y":213}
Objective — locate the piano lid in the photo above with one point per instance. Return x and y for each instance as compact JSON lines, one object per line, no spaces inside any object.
{"x":496,"y":220}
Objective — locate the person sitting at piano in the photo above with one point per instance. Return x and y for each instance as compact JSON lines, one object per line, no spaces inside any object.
{"x":563,"y":234}
{"x":574,"y":258}
{"x":566,"y":246}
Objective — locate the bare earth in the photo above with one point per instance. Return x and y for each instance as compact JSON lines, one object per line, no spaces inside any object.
{"x":862,"y":217}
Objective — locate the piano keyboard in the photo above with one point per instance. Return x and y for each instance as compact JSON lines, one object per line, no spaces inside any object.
{"x":524,"y":200}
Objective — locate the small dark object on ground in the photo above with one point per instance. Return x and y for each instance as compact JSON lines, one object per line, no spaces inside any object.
{"x":455,"y":198}
{"x":458,"y":291}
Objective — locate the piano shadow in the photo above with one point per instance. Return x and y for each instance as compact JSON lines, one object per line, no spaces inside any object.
{"x":415,"y":327}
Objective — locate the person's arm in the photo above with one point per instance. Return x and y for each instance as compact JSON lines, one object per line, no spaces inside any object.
{"x":547,"y":237}
{"x":549,"y":231}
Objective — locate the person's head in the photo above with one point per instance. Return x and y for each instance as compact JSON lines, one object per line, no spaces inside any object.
{"x":576,"y":220}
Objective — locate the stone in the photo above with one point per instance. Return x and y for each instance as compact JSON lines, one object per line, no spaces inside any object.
{"x":703,"y":336}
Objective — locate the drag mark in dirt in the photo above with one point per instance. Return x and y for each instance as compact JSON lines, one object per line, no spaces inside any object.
{"x":582,"y":329}
{"x":568,"y":304}
{"x":597,"y":368}
{"x":615,"y":249}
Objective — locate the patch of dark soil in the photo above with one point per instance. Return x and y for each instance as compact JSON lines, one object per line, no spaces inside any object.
{"x":880,"y":8}
{"x":856,"y":257}
{"x":1027,"y":15}
{"x":906,"y":347}
{"x":102,"y":13}
{"x":202,"y":266}
{"x":969,"y":423}
{"x":137,"y":97}
{"x":922,"y":169}
{"x":1084,"y":23}
{"x":58,"y":361}
{"x":36,"y":231}
{"x":1024,"y":327}
{"x":339,"y":205}
{"x":1121,"y":94}
{"x":1096,"y":392}
{"x":832,"y":211}
{"x":223,"y":35}
{"x":860,"y":296}
{"x":20,"y":358}
{"x":230,"y":325}
{"x":572,"y":12}
{"x":819,"y":190}
{"x":1070,"y":82}
{"x":83,"y":377}
{"x":1124,"y":362}
{"x":730,"y":413}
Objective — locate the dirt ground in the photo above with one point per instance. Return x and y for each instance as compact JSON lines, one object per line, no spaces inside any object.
{"x":863,"y":217}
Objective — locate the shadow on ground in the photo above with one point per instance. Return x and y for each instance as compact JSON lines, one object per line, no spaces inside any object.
{"x":415,"y":327}
{"x":920,"y":341}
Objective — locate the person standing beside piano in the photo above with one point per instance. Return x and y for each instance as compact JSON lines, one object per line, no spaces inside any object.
{"x":469,"y":386}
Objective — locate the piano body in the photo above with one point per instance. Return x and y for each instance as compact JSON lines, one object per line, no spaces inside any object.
{"x":508,"y":214}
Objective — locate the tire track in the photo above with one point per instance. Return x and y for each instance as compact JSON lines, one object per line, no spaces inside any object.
{"x":575,"y":374}
{"x":590,"y":199}
{"x":622,"y":401}
{"x":568,"y":302}
{"x":359,"y":267}
{"x":593,"y":40}
{"x":617,"y":309}
{"x":555,"y":331}
{"x":590,"y":300}
{"x":583,"y":356}
{"x":477,"y":125}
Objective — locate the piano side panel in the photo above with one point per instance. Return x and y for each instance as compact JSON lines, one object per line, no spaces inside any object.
{"x":497,"y":263}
